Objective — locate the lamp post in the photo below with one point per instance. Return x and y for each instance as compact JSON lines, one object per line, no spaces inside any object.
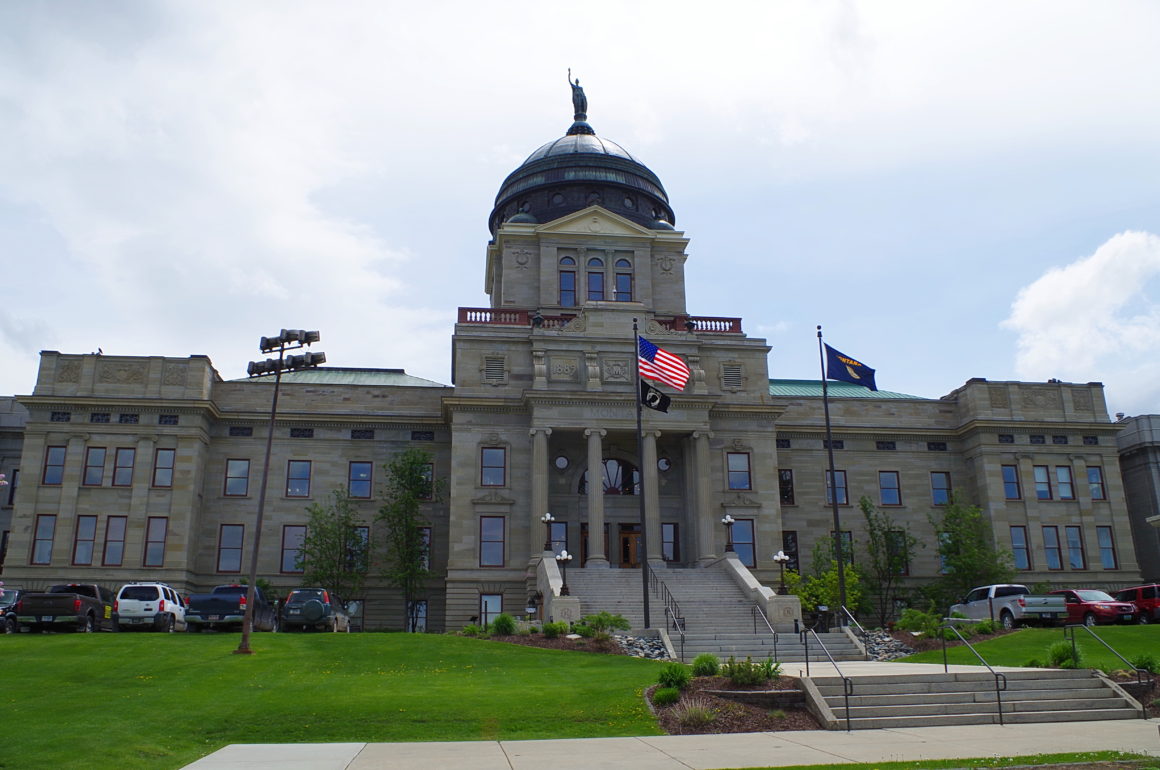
{"x":728,"y":521}
{"x":547,"y":518}
{"x":781,"y":559}
{"x":288,"y":339}
{"x":562,"y":559}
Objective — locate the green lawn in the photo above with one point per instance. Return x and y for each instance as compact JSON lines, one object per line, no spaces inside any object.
{"x":162,"y":700}
{"x":1018,"y":648}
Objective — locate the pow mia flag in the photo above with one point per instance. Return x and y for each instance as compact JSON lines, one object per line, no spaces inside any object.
{"x":653,"y":398}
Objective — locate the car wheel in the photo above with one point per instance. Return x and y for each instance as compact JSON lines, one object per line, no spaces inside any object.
{"x":1089,"y":619}
{"x":1007,"y":619}
{"x":334,"y":626}
{"x":169,"y":625}
{"x":1143,"y":619}
{"x":11,"y":625}
{"x":87,"y":626}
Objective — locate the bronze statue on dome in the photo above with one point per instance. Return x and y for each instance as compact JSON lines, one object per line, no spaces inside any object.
{"x":579,"y":100}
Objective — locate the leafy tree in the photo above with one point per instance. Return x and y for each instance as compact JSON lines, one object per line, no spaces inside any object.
{"x":820,"y":588}
{"x":407,"y":560}
{"x":968,"y":553}
{"x":889,"y":550}
{"x":336,"y":548}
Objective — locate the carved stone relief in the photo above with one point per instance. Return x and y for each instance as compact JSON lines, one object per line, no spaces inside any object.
{"x":68,"y":371}
{"x":121,"y":372}
{"x":577,"y":324}
{"x":999,"y":399}
{"x":522,"y":257}
{"x":174,"y":374}
{"x":617,"y":370}
{"x":563,"y":369}
{"x":1082,"y":399}
{"x":1041,"y":398}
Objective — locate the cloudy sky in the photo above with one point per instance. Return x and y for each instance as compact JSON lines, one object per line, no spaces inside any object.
{"x":952,"y":190}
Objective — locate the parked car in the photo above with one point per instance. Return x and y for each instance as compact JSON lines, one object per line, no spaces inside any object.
{"x":155,"y":606}
{"x":316,"y":608}
{"x":1010,"y":604}
{"x":225,"y":607}
{"x":1089,"y":607}
{"x":1147,"y":601}
{"x":78,"y":606}
{"x":8,"y":622}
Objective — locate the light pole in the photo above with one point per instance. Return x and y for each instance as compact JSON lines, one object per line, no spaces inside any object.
{"x":547,"y":518}
{"x":728,"y":521}
{"x":289,"y":339}
{"x":781,"y":559}
{"x":562,"y":559}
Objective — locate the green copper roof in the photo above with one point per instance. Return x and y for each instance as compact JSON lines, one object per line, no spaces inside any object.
{"x":813,"y":389}
{"x":343,"y":376}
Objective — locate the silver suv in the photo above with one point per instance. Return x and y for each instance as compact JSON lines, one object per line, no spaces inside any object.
{"x":153,"y":606}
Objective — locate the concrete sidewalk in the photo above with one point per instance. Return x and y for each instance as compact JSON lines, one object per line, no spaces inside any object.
{"x":702,"y":752}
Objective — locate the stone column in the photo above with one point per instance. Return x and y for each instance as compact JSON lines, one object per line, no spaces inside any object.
{"x":703,"y":475}
{"x":650,"y":486}
{"x":539,"y":506}
{"x":596,"y":555}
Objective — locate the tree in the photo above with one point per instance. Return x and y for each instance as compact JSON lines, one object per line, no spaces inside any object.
{"x":889,"y":550}
{"x":968,"y":553}
{"x":820,"y":588}
{"x":335,"y":550}
{"x":407,"y":560}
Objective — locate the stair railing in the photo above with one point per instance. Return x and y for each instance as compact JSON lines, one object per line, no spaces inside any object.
{"x":861,"y":631}
{"x":1141,"y":673}
{"x":847,"y":682}
{"x":1000,"y":679}
{"x":756,"y":611}
{"x":672,"y":609}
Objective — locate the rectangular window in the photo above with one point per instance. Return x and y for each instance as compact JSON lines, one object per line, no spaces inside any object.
{"x":896,"y":551}
{"x":743,"y":542}
{"x":840,"y":478}
{"x":1019,"y":548}
{"x":785,"y":486}
{"x":490,"y":605}
{"x":241,"y":431}
{"x":114,"y":554}
{"x":936,"y":446}
{"x":1051,"y":550}
{"x":789,"y":546}
{"x":94,"y":466}
{"x":1107,"y":547}
{"x":302,"y":433}
{"x":15,"y":482}
{"x":123,"y":460}
{"x":493,"y":466}
{"x":1075,"y":554}
{"x":428,"y":477}
{"x":129,"y":419}
{"x":568,"y":288}
{"x":1006,"y":438}
{"x":491,"y":541}
{"x":886,"y":446}
{"x":358,"y":481}
{"x":425,"y":540}
{"x":358,"y":550}
{"x":237,"y":478}
{"x":86,"y":537}
{"x":60,"y":417}
{"x":53,"y":465}
{"x":940,"y":487}
{"x":1059,"y":439}
{"x":1011,"y":488}
{"x":624,"y":287}
{"x":168,"y":419}
{"x":670,"y":542}
{"x":417,"y":616}
{"x":1095,"y":476}
{"x":889,"y":488}
{"x":367,"y":434}
{"x":847,"y":545}
{"x":155,"y":531}
{"x":42,"y":539}
{"x":293,"y":535}
{"x":99,"y":417}
{"x":1042,"y":482}
{"x":1063,"y":482}
{"x":1036,"y":439}
{"x":595,"y":285}
{"x":559,"y":536}
{"x":298,"y":478}
{"x":944,"y":539}
{"x":229,"y":557}
{"x":163,"y":460}
{"x":738,"y":469}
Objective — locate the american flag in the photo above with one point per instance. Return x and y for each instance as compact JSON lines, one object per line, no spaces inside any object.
{"x":656,"y":364}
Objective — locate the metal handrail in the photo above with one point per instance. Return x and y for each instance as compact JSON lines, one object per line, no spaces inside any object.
{"x":754,"y":612}
{"x":679,"y":625}
{"x":1140,"y":672}
{"x":861,"y":631}
{"x":971,"y":647}
{"x":847,"y":682}
{"x":671,"y":607}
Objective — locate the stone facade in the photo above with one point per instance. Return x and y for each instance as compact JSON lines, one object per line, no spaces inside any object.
{"x":1139,"y":444}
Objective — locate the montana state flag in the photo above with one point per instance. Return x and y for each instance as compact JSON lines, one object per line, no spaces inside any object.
{"x":840,"y":366}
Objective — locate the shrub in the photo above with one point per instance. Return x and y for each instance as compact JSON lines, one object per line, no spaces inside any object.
{"x":1148,"y":662}
{"x":583,"y":629}
{"x":695,"y":712}
{"x":743,"y":672}
{"x":706,"y":664}
{"x":771,"y":668}
{"x":665,"y":696}
{"x":604,"y":623}
{"x":986,"y":627}
{"x":917,"y":620}
{"x":525,"y":631}
{"x":777,"y":714}
{"x":675,"y":675}
{"x":1062,"y":655}
{"x":503,"y":625}
{"x":473,"y":630}
{"x":1033,"y":663}
{"x":553,"y":630}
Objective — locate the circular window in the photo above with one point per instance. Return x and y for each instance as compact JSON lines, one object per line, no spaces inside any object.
{"x":629,"y":203}
{"x":664,"y":463}
{"x":557,"y":199}
{"x":561,"y":462}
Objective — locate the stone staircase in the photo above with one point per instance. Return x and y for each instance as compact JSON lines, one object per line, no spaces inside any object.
{"x":932,"y":699}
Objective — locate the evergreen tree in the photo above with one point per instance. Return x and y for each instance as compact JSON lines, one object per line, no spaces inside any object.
{"x":407,"y":559}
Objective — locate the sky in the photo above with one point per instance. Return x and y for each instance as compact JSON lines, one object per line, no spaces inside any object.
{"x":951,"y":189}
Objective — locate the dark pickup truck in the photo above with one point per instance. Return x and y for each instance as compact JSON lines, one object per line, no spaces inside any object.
{"x":225,"y":607}
{"x":78,"y":606}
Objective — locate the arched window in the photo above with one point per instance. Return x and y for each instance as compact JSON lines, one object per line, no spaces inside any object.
{"x":620,"y":478}
{"x":568,"y":282}
{"x":623,"y":280}
{"x":596,"y":279}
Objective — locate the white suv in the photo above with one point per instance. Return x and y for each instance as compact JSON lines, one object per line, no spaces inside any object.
{"x":150,"y":605}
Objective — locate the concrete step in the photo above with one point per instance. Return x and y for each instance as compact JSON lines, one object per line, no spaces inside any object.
{"x":983,"y":718}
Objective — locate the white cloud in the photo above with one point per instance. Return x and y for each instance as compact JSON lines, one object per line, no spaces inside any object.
{"x":1096,"y":319}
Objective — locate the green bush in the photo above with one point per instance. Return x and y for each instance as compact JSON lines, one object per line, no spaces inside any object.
{"x":696,"y":712}
{"x":503,"y":625}
{"x":706,"y":664}
{"x":743,"y":673}
{"x":583,"y":629}
{"x":553,"y":630}
{"x":604,"y":623}
{"x":1034,"y":663}
{"x":1148,"y":662}
{"x":777,"y":714}
{"x":987,"y":627}
{"x":917,"y":620}
{"x":675,"y":675}
{"x":665,"y":696}
{"x":1062,"y":655}
{"x":770,"y":668}
{"x":473,"y":630}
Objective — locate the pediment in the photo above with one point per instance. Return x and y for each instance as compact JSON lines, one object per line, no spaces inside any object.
{"x":595,"y":220}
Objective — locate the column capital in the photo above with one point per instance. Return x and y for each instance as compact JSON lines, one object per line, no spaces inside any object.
{"x":545,"y":431}
{"x":654,"y":434}
{"x":589,"y":432}
{"x":702,"y":434}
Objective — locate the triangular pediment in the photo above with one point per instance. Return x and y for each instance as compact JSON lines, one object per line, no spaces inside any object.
{"x":595,"y":220}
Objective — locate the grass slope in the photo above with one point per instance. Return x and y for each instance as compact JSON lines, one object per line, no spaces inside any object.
{"x":163,"y":700}
{"x":1032,"y":643}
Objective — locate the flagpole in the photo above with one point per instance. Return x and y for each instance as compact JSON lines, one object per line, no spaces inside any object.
{"x":839,"y":555}
{"x":643,"y":555}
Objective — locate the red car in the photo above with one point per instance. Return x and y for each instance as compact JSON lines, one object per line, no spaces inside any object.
{"x":1089,"y":607}
{"x":1147,"y":601}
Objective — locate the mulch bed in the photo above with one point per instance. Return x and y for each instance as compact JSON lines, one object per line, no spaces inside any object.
{"x":731,"y":716}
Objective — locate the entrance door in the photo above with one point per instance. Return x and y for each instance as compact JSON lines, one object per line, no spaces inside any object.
{"x":629,"y":546}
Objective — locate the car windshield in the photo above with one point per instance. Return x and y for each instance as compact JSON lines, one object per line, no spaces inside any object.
{"x":139,"y":593}
{"x":1094,"y":596}
{"x":7,"y":595}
